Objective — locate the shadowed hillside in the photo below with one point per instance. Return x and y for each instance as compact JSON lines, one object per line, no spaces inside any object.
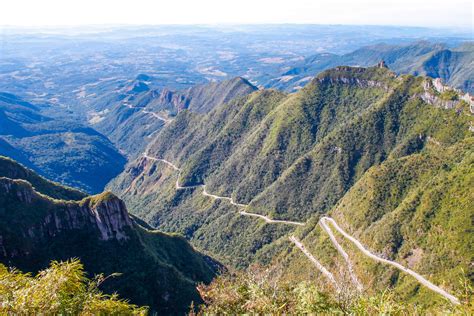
{"x":155,"y":269}
{"x":63,"y":150}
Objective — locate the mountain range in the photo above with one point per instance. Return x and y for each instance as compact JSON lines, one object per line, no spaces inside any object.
{"x":255,"y":174}
{"x":140,"y":113}
{"x":453,"y":65}
{"x":243,"y":178}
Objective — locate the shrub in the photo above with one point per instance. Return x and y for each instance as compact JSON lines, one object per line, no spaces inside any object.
{"x":63,"y":289}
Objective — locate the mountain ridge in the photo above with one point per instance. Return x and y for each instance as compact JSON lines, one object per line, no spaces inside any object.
{"x":136,"y":118}
{"x":437,"y":60}
{"x":320,"y":142}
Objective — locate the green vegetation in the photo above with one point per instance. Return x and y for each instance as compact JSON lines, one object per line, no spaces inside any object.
{"x":297,"y":156}
{"x":63,"y":288}
{"x":129,"y":127}
{"x":412,"y":210}
{"x":436,"y":60}
{"x":156,"y":269}
{"x":260,"y":291}
{"x":449,"y":95}
{"x":9,"y":168}
{"x":265,"y":291}
{"x":65,"y":151}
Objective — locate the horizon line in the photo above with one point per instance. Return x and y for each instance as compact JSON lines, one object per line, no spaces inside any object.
{"x":97,"y":25}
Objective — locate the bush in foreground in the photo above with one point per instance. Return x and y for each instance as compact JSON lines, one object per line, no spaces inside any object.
{"x":62,"y":289}
{"x":263,"y":291}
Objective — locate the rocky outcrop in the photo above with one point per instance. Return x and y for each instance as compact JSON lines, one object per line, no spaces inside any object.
{"x":382,"y":64}
{"x":434,"y":90}
{"x":353,"y":82}
{"x":110,"y":217}
{"x":176,"y":100}
{"x":156,"y":269}
{"x":371,"y":77}
{"x":40,"y":217}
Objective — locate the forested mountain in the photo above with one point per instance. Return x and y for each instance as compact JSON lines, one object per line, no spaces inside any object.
{"x":63,"y":150}
{"x":413,"y":209}
{"x":307,"y":180}
{"x":344,"y":145}
{"x":453,"y":65}
{"x":139,"y":112}
{"x":41,"y":221}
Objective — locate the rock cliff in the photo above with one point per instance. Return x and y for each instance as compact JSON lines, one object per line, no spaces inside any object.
{"x":156,"y":269}
{"x":104,"y":215}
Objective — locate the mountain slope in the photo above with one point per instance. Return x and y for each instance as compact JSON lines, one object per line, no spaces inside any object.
{"x":412,"y":210}
{"x":157,"y":269}
{"x":9,"y":168}
{"x":453,"y":66}
{"x":138,"y":115}
{"x":64,"y":151}
{"x":289,"y":157}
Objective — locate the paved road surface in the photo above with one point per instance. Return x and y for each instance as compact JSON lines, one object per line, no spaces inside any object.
{"x":217,"y":197}
{"x":342,"y":252}
{"x":317,"y":264}
{"x":366,"y":252}
{"x":166,"y":120}
{"x":324,"y":222}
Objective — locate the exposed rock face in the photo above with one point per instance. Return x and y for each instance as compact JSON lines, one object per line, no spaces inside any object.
{"x":157,"y":269}
{"x":438,"y":85}
{"x":136,"y":118}
{"x":104,"y":215}
{"x":432,"y":90}
{"x":200,"y":98}
{"x":110,"y":217}
{"x":352,"y":81}
{"x":176,"y":100}
{"x":371,"y":77}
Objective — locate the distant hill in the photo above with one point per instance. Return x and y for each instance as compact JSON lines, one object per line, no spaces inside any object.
{"x":137,"y":115}
{"x":454,"y":66}
{"x":41,"y":221}
{"x":65,"y":151}
{"x":355,"y":143}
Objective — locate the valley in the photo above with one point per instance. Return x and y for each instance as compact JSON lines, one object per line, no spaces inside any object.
{"x":239,"y":169}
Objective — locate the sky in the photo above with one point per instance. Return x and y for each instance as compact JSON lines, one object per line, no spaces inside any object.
{"x":441,"y":13}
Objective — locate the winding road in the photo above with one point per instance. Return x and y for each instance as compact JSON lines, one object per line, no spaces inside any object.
{"x":217,"y":197}
{"x":318,"y":265}
{"x":158,"y":116}
{"x":325,"y":222}
{"x":342,"y":252}
{"x":166,"y":120}
{"x":369,"y":254}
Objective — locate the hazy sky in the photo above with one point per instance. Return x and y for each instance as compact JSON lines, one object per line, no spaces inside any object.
{"x":455,"y":13}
